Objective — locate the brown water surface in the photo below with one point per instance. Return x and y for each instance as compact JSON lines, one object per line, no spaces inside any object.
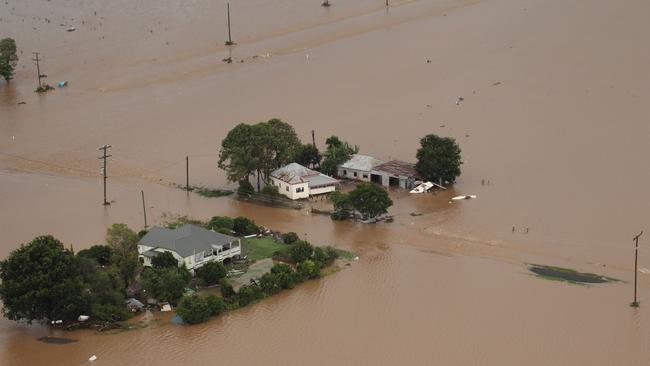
{"x":554,"y":134}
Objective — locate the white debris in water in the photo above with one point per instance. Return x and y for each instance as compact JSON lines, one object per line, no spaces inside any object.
{"x":92,"y":358}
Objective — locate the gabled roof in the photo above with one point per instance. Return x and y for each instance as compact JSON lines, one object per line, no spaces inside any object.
{"x":398,"y":168}
{"x":185,"y":240}
{"x":295,"y":173}
{"x":361,"y":162}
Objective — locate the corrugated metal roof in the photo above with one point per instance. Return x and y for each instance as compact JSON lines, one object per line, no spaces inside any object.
{"x":185,"y":240}
{"x":397,"y":168}
{"x":295,"y":173}
{"x":361,"y":162}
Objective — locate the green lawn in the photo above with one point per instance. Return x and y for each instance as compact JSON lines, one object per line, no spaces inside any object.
{"x":260,"y":248}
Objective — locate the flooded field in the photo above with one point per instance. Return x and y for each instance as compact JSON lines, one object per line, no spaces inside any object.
{"x":553,"y":128}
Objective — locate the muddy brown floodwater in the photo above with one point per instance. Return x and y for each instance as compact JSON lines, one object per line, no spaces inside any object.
{"x":553,"y":127}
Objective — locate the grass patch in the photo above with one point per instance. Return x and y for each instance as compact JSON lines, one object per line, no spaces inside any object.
{"x":568,"y":275}
{"x":211,"y":193}
{"x":346,"y":254}
{"x":260,"y":248}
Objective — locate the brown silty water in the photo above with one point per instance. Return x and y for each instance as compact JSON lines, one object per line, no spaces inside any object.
{"x":554,"y":117}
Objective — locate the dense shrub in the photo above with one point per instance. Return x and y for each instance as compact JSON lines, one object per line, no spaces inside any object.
{"x":211,"y":273}
{"x":244,"y":226}
{"x":248,"y":294}
{"x":287,"y":277}
{"x":290,"y":237}
{"x":226,"y":289}
{"x":340,"y":215}
{"x":308,"y":269}
{"x":270,"y":283}
{"x":100,"y":253}
{"x":270,"y":190}
{"x":165,"y":284}
{"x":109,"y":312}
{"x":224,"y":231}
{"x":193,"y":309}
{"x":301,"y":251}
{"x":142,"y":233}
{"x":164,"y":260}
{"x":221,"y":222}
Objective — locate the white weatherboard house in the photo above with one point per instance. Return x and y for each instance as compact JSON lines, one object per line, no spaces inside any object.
{"x":358,"y":167}
{"x":296,"y":181}
{"x":190,"y":244}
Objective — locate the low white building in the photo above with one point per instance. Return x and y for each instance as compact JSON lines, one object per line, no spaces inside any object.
{"x":296,"y":181}
{"x":189,"y":244}
{"x":358,"y":167}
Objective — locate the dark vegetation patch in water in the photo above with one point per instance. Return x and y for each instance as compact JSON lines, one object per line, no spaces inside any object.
{"x":568,"y":275}
{"x":56,"y":340}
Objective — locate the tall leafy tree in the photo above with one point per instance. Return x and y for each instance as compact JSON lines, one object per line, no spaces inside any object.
{"x":166,"y":284}
{"x":309,"y":156}
{"x":124,"y":246}
{"x":8,"y":58}
{"x":337,"y":153}
{"x":42,"y":281}
{"x":164,"y":259}
{"x":438,"y":159}
{"x":370,"y":200}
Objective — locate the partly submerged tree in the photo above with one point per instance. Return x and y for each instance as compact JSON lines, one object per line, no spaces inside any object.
{"x":124,"y":245}
{"x":99,"y":253}
{"x":257,"y":150}
{"x":42,"y":281}
{"x":8,"y":58}
{"x":370,"y":200}
{"x":438,"y":159}
{"x":165,"y":284}
{"x":337,"y":153}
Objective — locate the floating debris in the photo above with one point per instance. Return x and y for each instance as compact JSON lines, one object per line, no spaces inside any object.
{"x":460,"y":198}
{"x":92,"y":358}
{"x":460,"y":99}
{"x":71,"y":29}
{"x":56,"y":340}
{"x":496,"y":84}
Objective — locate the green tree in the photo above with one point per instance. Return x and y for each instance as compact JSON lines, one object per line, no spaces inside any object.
{"x":270,"y":283}
{"x":301,"y":251}
{"x":244,"y":226}
{"x":106,"y":291}
{"x":287,"y":277}
{"x":337,"y":153}
{"x":100,"y":253}
{"x":438,"y":159}
{"x":342,"y":205}
{"x":248,"y":294}
{"x":42,"y":281}
{"x":290,"y":237}
{"x":196,"y":309}
{"x":124,"y":245}
{"x":8,"y":58}
{"x":257,"y":150}
{"x":308,"y":155}
{"x":212,"y":272}
{"x":221,"y":222}
{"x":227,"y":291}
{"x":164,"y":259}
{"x":370,"y":200}
{"x":308,"y":269}
{"x":165,"y":284}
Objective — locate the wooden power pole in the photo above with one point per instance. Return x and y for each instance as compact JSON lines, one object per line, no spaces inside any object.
{"x":144,"y":210}
{"x":635,"y":303}
{"x":103,"y":168}
{"x":229,"y":42}
{"x":38,"y":68}
{"x":187,"y":173}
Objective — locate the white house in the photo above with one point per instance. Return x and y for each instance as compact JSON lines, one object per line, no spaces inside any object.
{"x":190,"y":244}
{"x":296,"y":181}
{"x":358,"y":167}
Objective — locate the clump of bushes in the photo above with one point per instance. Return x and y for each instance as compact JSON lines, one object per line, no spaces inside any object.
{"x":212,"y":273}
{"x":221,"y":222}
{"x":196,"y":309}
{"x":244,"y":226}
{"x":290,"y":238}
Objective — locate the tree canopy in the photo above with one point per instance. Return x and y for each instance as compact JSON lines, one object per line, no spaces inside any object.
{"x":257,"y":149}
{"x":308,"y":155}
{"x":212,"y":272}
{"x":124,"y":245}
{"x":164,"y":259}
{"x":165,"y":284}
{"x":42,"y":281}
{"x":337,"y":153}
{"x":8,"y":58}
{"x":100,"y":253}
{"x":438,"y":159}
{"x":370,"y":200}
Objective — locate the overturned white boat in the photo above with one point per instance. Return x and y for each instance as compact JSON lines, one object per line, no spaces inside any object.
{"x":459,"y":198}
{"x":423,"y":188}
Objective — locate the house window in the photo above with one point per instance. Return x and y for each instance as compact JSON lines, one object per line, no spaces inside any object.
{"x":287,"y":188}
{"x":300,"y":189}
{"x":345,"y":172}
{"x":365,"y":176}
{"x":355,"y":174}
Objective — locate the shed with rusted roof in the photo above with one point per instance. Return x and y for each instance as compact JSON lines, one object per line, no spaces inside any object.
{"x":395,"y":173}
